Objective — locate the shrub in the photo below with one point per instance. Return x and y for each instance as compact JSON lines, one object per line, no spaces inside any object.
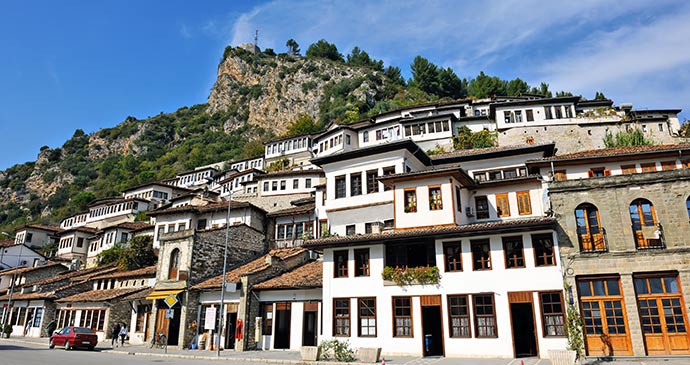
{"x":337,"y":350}
{"x":423,"y":275}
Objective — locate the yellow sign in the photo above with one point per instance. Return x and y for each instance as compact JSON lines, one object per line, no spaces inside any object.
{"x":170,"y":300}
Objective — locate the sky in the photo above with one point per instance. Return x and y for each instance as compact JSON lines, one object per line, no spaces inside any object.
{"x":68,"y":65}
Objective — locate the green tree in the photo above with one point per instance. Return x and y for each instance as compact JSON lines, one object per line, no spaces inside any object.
{"x":302,"y":125}
{"x":293,"y":47}
{"x":424,"y":75}
{"x":139,"y":254}
{"x":466,"y":139}
{"x":516,"y":87}
{"x":111,"y":255}
{"x":542,"y":90}
{"x":323,"y":49}
{"x":450,"y":85}
{"x":360,"y":58}
{"x":685,"y":128}
{"x":484,"y":86}
{"x":252,"y":148}
{"x":634,"y":137}
{"x":563,"y":93}
{"x":395,"y":75}
{"x":600,"y":96}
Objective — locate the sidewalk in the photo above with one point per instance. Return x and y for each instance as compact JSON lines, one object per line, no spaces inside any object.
{"x":293,"y":357}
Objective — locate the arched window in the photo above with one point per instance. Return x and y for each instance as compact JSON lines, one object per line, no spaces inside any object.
{"x":174,"y":264}
{"x":644,"y":224}
{"x":589,"y":230}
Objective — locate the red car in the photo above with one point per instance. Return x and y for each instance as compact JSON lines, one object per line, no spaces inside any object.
{"x":73,"y":337}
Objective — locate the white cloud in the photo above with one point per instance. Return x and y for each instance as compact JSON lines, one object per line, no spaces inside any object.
{"x":185,"y":31}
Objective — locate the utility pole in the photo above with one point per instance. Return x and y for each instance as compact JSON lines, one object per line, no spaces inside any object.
{"x":256,"y":38}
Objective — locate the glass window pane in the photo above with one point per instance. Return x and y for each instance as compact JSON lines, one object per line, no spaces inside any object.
{"x":641,"y":286}
{"x":598,"y":288}
{"x":612,"y":285}
{"x":655,"y":285}
{"x":671,"y":284}
{"x":585,"y":290}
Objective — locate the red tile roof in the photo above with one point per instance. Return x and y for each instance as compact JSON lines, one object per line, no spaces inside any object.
{"x":467,"y":229}
{"x":303,"y":209}
{"x":101,"y":295}
{"x":616,"y":152}
{"x":488,"y":150}
{"x":309,"y":275}
{"x":143,"y":272}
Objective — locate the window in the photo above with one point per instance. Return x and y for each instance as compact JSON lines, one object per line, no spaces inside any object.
{"x":410,"y":201}
{"x":452,"y":252}
{"x":267,"y":315}
{"x":289,"y":229}
{"x":143,"y":313}
{"x":506,"y":117}
{"x":367,"y":317}
{"x":648,"y":167}
{"x":365,"y":136}
{"x":644,"y":225}
{"x":350,"y":230}
{"x":543,"y":250}
{"x":37,"y":318}
{"x":481,"y":254}
{"x":362,"y":262}
{"x":80,"y":242}
{"x":502,"y":205}
{"x":283,"y":184}
{"x":668,"y":165}
{"x":125,"y":236}
{"x":435,"y":202}
{"x":518,"y":116}
{"x":458,"y":199}
{"x":93,"y":319}
{"x":356,"y":184}
{"x":340,"y":259}
{"x":602,"y":306}
{"x":628,"y":169}
{"x":559,"y":112}
{"x":530,"y":115}
{"x":553,"y":317}
{"x":482,"y":207}
{"x":411,"y":255}
{"x":514,"y":252}
{"x":402,"y":317}
{"x":347,"y":139}
{"x":661,"y":127}
{"x":687,"y":205}
{"x":341,"y":317}
{"x":372,"y":183}
{"x":29,"y":236}
{"x":560,"y":175}
{"x":598,"y":172}
{"x":307,"y":183}
{"x":459,"y":316}
{"x":390,"y":170}
{"x":274,"y":186}
{"x":295,"y":183}
{"x":547,"y":112}
{"x":589,"y":231}
{"x":484,"y":316}
{"x":174,"y":264}
{"x":201,"y":224}
{"x":524,"y":204}
{"x":340,"y":187}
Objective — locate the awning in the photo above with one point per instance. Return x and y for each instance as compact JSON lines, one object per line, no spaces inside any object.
{"x":160,"y":294}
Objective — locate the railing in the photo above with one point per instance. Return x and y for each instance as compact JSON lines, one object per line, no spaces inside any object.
{"x":593,"y":243}
{"x":649,"y":237}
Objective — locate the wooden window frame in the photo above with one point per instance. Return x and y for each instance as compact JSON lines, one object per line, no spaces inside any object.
{"x":594,"y":241}
{"x":484,"y":264}
{"x":362,"y":268}
{"x":340,"y":193}
{"x":338,"y":270}
{"x":529,"y":115}
{"x":360,"y":317}
{"x":545,"y":325}
{"x":458,"y":199}
{"x":524,"y":202}
{"x":537,"y":257}
{"x":503,"y":205}
{"x":372,"y":181}
{"x":595,"y":170}
{"x":410,"y":316}
{"x":477,"y":316}
{"x":513,"y":261}
{"x":438,"y":204}
{"x":356,"y":184}
{"x":485,"y":214}
{"x":388,"y":170}
{"x":460,"y":316}
{"x":648,"y":167}
{"x":668,"y":165}
{"x":410,"y":206}
{"x":454,"y":265}
{"x":628,"y":169}
{"x":174,"y":264}
{"x":347,"y":318}
{"x":560,"y":175}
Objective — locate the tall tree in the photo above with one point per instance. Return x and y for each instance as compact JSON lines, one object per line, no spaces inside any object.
{"x":543,"y":90}
{"x":599,"y":96}
{"x":302,"y":125}
{"x":395,"y":75}
{"x":516,"y":87}
{"x":293,"y":47}
{"x":450,"y":85}
{"x":484,"y":86}
{"x":323,"y":49}
{"x":424,"y":75}
{"x":360,"y":58}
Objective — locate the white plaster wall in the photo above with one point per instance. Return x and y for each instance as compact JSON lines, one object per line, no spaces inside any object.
{"x":424,"y":216}
{"x":301,"y":188}
{"x":498,"y":280}
{"x":535,"y":192}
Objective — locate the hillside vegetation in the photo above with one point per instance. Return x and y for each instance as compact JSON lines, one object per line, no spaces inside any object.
{"x":256,"y":97}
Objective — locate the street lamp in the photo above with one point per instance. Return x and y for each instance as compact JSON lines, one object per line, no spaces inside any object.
{"x":225,"y":267}
{"x":14,"y":278}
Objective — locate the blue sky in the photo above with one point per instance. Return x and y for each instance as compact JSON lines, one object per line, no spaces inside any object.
{"x":67,"y":65}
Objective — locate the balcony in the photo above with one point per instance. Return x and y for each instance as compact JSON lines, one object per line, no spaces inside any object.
{"x":593,"y":242}
{"x":649,"y":237}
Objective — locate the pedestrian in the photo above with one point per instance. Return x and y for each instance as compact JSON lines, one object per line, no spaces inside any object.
{"x":51,"y":328}
{"x":123,"y":334}
{"x":114,"y":333}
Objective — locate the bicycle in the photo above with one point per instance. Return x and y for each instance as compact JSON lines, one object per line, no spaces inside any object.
{"x":160,"y":341}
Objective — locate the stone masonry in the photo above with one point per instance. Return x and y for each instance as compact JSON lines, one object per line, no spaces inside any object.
{"x":612,"y":195}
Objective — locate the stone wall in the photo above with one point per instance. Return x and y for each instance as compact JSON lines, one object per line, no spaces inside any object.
{"x":612,"y":195}
{"x":119,"y":312}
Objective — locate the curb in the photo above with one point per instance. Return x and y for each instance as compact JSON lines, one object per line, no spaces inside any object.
{"x":238,"y":359}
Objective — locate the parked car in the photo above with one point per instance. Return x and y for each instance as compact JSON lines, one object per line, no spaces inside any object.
{"x":73,"y":337}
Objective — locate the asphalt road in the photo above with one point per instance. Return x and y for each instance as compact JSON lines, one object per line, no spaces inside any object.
{"x":27,"y":354}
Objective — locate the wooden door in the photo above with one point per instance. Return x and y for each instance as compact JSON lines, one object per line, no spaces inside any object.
{"x":162,"y":323}
{"x":604,"y":317}
{"x":524,"y":328}
{"x":662,"y":315}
